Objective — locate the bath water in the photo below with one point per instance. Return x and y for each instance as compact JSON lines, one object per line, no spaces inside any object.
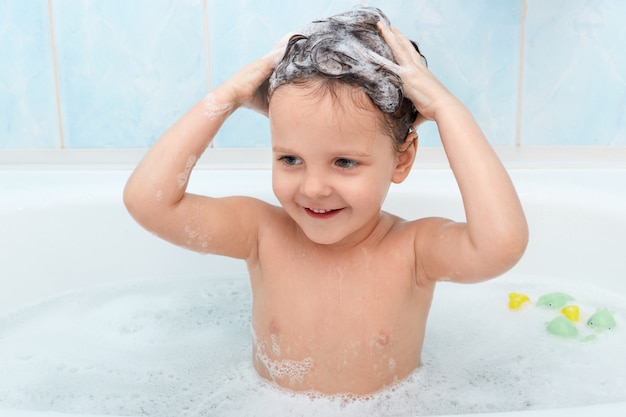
{"x":184,"y":347}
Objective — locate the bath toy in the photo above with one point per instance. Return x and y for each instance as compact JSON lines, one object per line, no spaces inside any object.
{"x":516,"y":300}
{"x":571,"y":312}
{"x":554,"y":300}
{"x":563,"y":327}
{"x":602,"y":320}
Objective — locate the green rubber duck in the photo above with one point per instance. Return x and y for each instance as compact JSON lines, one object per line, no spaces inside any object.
{"x":554,"y":300}
{"x":602,"y":320}
{"x":563,"y":327}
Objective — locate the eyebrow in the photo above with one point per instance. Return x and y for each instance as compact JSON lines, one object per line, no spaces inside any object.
{"x":347,"y":153}
{"x":281,"y":150}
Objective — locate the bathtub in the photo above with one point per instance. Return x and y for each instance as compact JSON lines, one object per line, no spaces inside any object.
{"x":64,"y":227}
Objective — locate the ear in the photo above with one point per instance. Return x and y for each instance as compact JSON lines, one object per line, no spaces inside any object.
{"x":405,"y":158}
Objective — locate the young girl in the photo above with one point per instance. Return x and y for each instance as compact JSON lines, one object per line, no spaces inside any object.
{"x":341,"y":290}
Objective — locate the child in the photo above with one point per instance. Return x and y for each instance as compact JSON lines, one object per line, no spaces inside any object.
{"x":341,"y":290}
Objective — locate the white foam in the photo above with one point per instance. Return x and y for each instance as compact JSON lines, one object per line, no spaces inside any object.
{"x":214,"y":110}
{"x":183,"y":177}
{"x":159,"y":195}
{"x":345,"y":45}
{"x":184,"y":348}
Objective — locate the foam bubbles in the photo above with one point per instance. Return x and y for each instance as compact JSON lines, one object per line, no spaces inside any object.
{"x":349,"y":49}
{"x":344,"y":46}
{"x":280,"y":368}
{"x":214,"y":110}
{"x":184,"y":347}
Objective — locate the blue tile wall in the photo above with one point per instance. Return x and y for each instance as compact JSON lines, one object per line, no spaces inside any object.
{"x":126,"y":71}
{"x":28,"y":107}
{"x":473,"y":48}
{"x":575,"y":73}
{"x":246,"y":32}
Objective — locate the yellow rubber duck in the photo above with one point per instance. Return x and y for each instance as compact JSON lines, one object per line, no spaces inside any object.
{"x":516,"y":300}
{"x":571,"y":312}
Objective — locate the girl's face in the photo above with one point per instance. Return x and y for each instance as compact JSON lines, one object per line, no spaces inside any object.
{"x":333,"y":164}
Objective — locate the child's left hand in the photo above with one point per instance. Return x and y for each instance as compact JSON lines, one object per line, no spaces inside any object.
{"x":495,"y":233}
{"x":420,"y":85}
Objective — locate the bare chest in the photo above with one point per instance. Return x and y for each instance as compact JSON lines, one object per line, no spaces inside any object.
{"x":344,"y":314}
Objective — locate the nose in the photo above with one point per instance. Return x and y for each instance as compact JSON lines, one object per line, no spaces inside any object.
{"x":315,"y":184}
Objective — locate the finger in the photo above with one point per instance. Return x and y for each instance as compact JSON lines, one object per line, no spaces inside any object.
{"x":274,"y":56}
{"x":406,"y":43}
{"x":401,"y":46}
{"x":386,"y":32}
{"x":390,"y":34}
{"x":382,"y":61}
{"x":278,"y":51}
{"x":395,"y":41}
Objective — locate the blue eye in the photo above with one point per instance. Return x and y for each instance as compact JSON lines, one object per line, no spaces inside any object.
{"x":290,"y":160}
{"x":346,"y":163}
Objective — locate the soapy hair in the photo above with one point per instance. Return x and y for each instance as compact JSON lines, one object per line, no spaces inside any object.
{"x":338,"y":50}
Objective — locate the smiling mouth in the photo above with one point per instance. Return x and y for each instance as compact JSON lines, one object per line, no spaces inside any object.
{"x":321,"y":213}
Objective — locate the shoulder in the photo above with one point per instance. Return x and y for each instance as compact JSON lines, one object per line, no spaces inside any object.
{"x":419,"y":230}
{"x":411,"y":235}
{"x":421,"y":238}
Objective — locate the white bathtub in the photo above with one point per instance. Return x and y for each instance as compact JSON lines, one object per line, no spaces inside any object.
{"x":63,"y":225}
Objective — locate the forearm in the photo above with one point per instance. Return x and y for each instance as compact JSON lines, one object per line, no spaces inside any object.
{"x":495,"y":234}
{"x":163,"y":174}
{"x":156,"y":189}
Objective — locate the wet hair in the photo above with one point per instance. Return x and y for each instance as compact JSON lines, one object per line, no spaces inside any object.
{"x":338,"y":50}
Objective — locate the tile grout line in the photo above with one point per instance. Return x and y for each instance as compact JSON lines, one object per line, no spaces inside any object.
{"x":55,"y":68}
{"x":520,"y":83}
{"x":207,"y":51}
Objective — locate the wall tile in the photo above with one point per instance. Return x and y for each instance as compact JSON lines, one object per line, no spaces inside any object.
{"x":575,"y":73}
{"x":28,"y":109}
{"x":473,"y":48}
{"x":127,"y":70}
{"x":242,"y":31}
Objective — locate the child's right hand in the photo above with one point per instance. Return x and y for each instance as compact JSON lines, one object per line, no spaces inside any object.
{"x":249,"y":87}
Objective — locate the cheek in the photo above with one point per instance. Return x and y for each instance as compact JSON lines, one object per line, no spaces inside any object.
{"x":367,"y":192}
{"x":280,"y":187}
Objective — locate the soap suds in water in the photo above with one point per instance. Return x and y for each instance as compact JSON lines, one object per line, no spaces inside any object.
{"x":183,"y":347}
{"x":295,"y":370}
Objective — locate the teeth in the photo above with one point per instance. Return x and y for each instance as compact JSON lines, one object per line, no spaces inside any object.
{"x":319,"y":211}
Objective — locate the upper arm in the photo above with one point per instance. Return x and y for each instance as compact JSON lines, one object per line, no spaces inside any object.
{"x":226,"y":226}
{"x":445,"y":251}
